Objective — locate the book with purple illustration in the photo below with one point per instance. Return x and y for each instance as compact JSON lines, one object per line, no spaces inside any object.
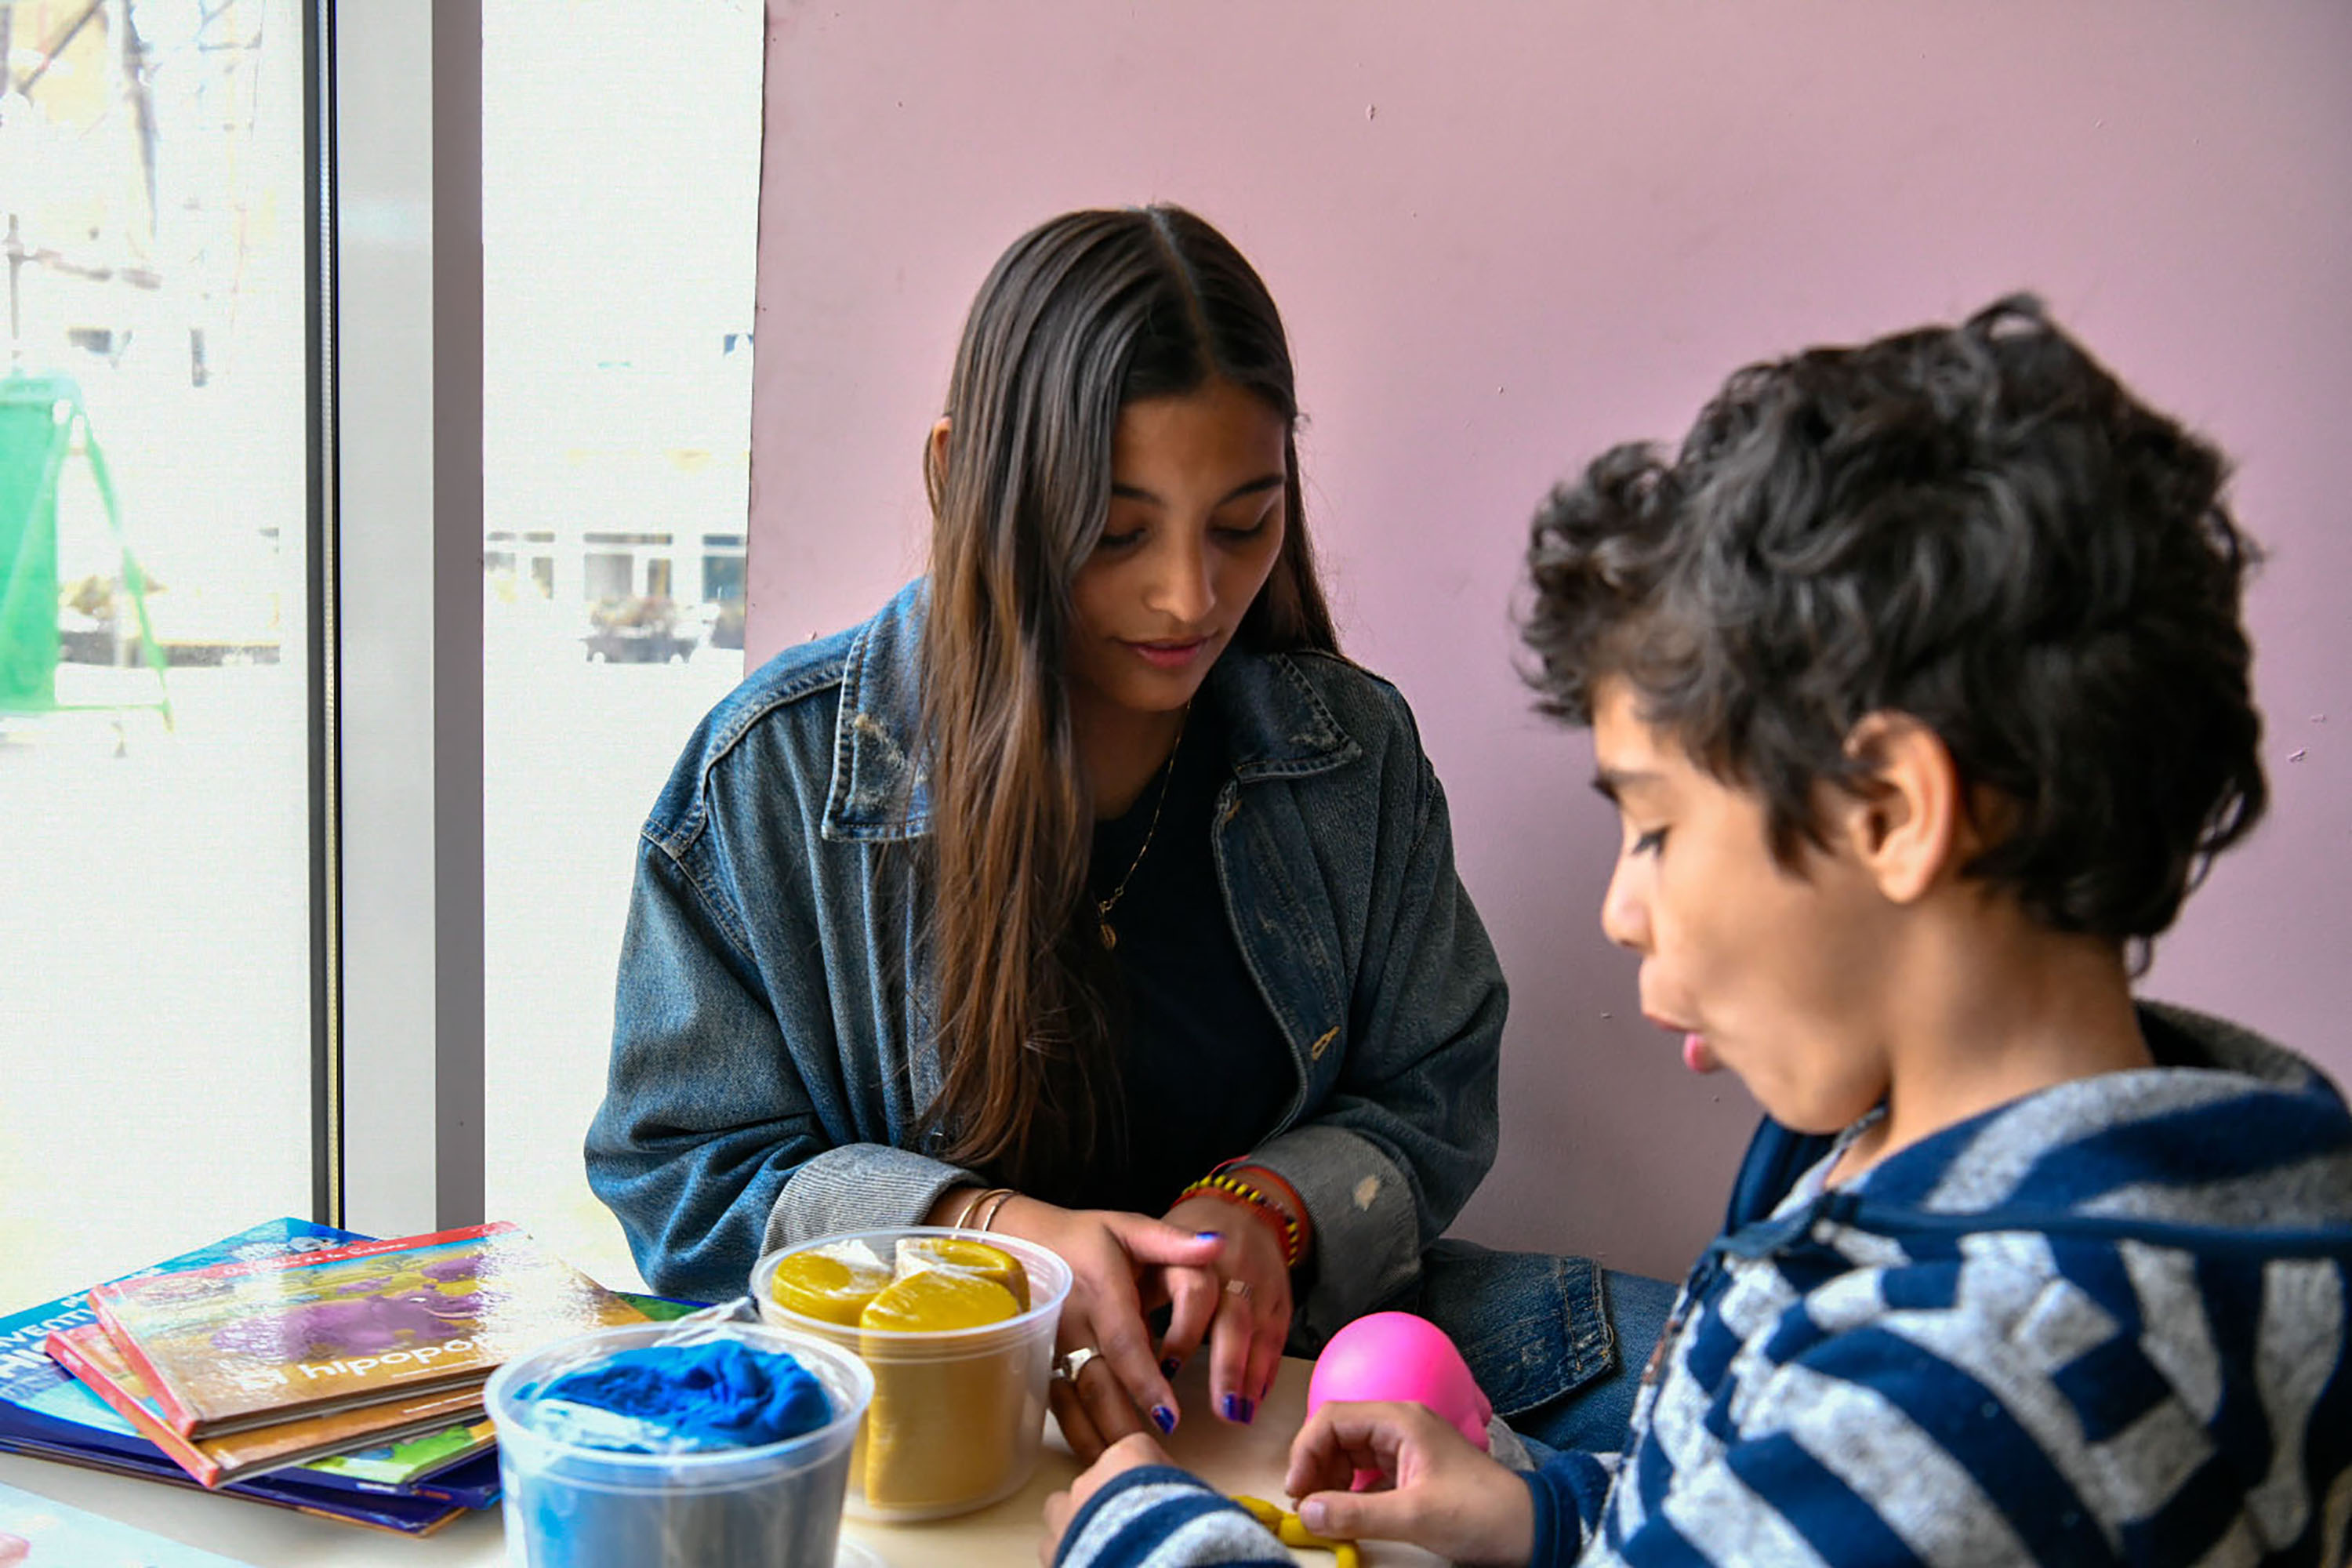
{"x":246,"y":1344}
{"x":453,"y":1415}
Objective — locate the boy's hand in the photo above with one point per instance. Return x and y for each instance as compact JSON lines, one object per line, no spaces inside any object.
{"x":1060,"y":1508}
{"x":1437,"y":1491}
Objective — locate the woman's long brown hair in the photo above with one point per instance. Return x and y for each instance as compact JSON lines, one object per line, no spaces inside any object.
{"x":1084,"y":314}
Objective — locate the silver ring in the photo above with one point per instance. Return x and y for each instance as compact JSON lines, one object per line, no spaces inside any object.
{"x":1066,"y":1367}
{"x":1238,"y":1287}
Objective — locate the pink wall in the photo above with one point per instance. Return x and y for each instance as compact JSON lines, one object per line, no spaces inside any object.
{"x":1506,"y":234}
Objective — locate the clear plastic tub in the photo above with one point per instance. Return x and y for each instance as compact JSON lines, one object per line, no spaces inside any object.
{"x":958,"y":1415}
{"x":573,"y":1506}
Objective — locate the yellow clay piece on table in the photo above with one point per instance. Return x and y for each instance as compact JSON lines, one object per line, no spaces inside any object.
{"x":1290,"y":1531}
{"x":941,"y":1432}
{"x":832,"y":1287}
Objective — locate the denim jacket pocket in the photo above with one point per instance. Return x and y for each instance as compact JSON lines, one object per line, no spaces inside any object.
{"x":1532,"y":1325}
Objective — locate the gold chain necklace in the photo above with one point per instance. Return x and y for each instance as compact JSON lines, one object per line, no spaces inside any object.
{"x":1103,"y":907}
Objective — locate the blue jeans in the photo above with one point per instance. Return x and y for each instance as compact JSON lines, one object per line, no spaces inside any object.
{"x":1594,"y":1415}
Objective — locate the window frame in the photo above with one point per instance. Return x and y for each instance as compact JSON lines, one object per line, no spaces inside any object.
{"x":398,"y":924}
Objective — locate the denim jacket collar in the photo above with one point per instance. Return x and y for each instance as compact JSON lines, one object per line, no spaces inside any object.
{"x":1277,"y":726}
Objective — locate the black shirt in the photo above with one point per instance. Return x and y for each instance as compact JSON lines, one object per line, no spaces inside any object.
{"x":1204,"y":1073}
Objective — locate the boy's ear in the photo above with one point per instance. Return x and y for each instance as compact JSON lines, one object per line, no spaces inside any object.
{"x":1908,"y":825}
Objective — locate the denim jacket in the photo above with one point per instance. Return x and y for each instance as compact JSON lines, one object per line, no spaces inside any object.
{"x":771,"y":1049}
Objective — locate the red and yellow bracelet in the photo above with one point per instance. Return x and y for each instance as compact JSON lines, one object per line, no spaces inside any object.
{"x":1268,"y":1177}
{"x":1217,"y":1184}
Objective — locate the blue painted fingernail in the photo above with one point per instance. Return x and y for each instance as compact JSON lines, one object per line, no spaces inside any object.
{"x":1163,"y":1419}
{"x":1208,"y":1235}
{"x":1170,"y":1367}
{"x":1237,"y":1408}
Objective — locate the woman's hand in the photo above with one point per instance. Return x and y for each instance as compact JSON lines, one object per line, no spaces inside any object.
{"x":1060,"y":1508}
{"x":1242,"y":1306}
{"x":1115,"y":1259}
{"x":1437,"y":1491}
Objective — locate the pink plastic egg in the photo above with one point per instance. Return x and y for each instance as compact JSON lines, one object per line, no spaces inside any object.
{"x":1398,"y":1357}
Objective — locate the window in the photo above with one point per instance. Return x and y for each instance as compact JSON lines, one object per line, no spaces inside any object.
{"x":155,"y":704}
{"x":620,"y":157}
{"x":301,"y":907}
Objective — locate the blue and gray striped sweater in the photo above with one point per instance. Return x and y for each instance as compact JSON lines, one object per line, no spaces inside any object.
{"x":2105,"y":1323}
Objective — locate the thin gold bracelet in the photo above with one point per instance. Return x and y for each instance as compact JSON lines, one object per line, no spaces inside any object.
{"x":962,"y":1220}
{"x":1002,"y":1195}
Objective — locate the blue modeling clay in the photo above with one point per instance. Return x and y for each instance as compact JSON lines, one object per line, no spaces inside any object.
{"x":682,"y":1398}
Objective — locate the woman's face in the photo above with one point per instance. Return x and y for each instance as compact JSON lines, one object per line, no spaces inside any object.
{"x":1196,"y":522}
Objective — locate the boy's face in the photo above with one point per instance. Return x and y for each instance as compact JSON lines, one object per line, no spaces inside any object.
{"x":1782,"y":978}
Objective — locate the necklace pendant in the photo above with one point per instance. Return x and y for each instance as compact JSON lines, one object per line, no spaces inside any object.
{"x":1109,"y":937}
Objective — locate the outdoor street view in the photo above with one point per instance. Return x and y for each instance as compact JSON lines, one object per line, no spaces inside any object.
{"x":154,"y":1013}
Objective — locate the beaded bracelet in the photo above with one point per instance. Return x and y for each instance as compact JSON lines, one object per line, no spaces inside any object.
{"x":1217,"y":1184}
{"x":1268,"y":1176}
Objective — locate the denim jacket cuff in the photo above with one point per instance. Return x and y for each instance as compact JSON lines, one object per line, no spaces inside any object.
{"x":1367,"y":1221}
{"x":859,"y":1186}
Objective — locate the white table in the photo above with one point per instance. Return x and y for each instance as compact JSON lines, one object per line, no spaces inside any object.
{"x":1236,"y":1458}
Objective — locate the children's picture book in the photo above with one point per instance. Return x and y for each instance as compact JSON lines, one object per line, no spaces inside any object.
{"x":660,"y":1308}
{"x":26,"y":1374}
{"x":41,"y":1403}
{"x":402,"y":1515}
{"x":452,"y":1415}
{"x":245,"y":1345}
{"x":35,"y":1533}
{"x":459,"y":1463}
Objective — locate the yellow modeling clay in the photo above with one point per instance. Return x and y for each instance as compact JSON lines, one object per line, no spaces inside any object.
{"x":972,"y":1257}
{"x":832,"y":1284}
{"x":1288,"y":1530}
{"x":934,"y":1432}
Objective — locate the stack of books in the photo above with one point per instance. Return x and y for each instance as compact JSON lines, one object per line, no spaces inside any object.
{"x":301,"y":1365}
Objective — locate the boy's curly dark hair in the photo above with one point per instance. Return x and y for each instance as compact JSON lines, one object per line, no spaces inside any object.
{"x":1976,"y":526}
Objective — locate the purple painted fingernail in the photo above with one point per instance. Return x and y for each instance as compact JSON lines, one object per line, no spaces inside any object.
{"x":1237,"y":1408}
{"x":1163,"y":1419}
{"x":1170,"y":1367}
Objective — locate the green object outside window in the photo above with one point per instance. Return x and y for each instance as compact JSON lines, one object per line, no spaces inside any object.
{"x":39,"y":417}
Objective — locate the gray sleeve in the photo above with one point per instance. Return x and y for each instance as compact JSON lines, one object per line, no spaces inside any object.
{"x":859,"y":1186}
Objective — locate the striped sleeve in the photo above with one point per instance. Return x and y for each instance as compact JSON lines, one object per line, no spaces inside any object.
{"x":1840,"y":1459}
{"x":1570,"y":1493}
{"x":1157,"y":1517}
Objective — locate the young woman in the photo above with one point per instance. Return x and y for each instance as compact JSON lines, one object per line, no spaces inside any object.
{"x":1086,"y":893}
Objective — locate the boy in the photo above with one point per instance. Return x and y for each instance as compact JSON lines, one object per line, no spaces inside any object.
{"x":1918,"y":682}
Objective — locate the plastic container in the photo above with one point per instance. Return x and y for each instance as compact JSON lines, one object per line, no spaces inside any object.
{"x":573,"y":1506}
{"x":957,"y":1414}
